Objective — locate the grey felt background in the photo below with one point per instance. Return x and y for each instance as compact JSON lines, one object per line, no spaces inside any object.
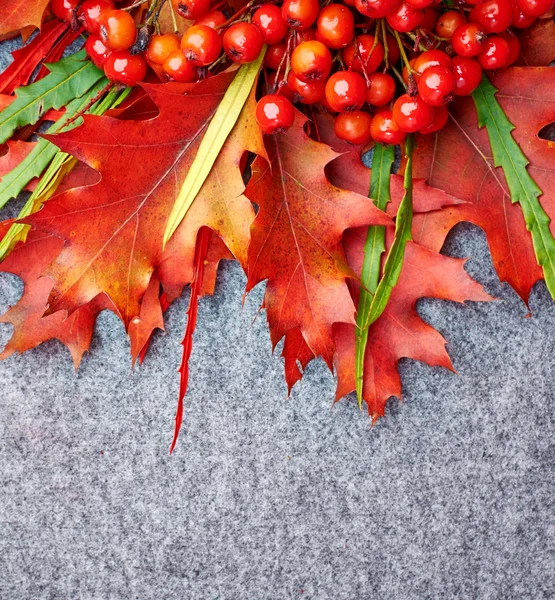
{"x":451,"y":496}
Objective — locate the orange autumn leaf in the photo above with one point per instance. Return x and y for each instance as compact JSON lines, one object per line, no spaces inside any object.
{"x":20,"y":14}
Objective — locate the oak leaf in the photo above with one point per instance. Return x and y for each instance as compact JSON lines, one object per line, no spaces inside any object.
{"x":19,"y":14}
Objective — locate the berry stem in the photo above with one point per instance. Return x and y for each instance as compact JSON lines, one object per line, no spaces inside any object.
{"x":90,"y":103}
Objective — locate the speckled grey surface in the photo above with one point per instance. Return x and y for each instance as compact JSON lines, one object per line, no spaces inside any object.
{"x":449,"y":497}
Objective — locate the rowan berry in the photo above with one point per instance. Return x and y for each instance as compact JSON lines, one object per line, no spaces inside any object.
{"x":274,"y":113}
{"x":353,"y":127}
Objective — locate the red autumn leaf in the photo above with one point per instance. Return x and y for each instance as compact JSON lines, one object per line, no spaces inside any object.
{"x":457,"y":160}
{"x":296,"y":238}
{"x":400,"y":332}
{"x":113,"y":230}
{"x":26,"y":59}
{"x":19,"y":14}
{"x":17,"y":151}
{"x":537,"y":44}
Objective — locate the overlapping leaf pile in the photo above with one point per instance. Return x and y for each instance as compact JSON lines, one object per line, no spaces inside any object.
{"x":98,"y":242}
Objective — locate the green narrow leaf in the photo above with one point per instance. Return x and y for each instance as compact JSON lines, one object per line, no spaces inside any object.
{"x":60,"y":160}
{"x":524,"y":190}
{"x":39,"y":158}
{"x":216,"y":134}
{"x":374,"y":247}
{"x":69,"y":78}
{"x":392,"y":267}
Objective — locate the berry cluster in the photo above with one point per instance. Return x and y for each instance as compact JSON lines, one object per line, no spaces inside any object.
{"x":384,"y":67}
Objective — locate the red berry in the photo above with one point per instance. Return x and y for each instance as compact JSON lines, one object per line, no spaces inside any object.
{"x":160,"y":47}
{"x":335,"y":26}
{"x":405,"y":18}
{"x":421,"y":4}
{"x":411,"y":113}
{"x":468,"y":39}
{"x":306,"y":93}
{"x":191,"y":9}
{"x":311,"y":61}
{"x":393,"y":52}
{"x":272,"y":25}
{"x":514,"y":45}
{"x":430,"y":58}
{"x":353,"y":127}
{"x":384,"y":129}
{"x":201,"y":45}
{"x":364,"y":47}
{"x":496,"y":53}
{"x":92,"y":11}
{"x":274,"y":113}
{"x":300,"y":14}
{"x":429,"y":18}
{"x":346,"y":91}
{"x":63,"y":9}
{"x":381,"y":89}
{"x":493,"y":15}
{"x":441,"y":116}
{"x":97,"y":50}
{"x":124,"y":67}
{"x":520,"y":20}
{"x":448,"y":22}
{"x":178,"y":68}
{"x":274,"y":55}
{"x":436,"y":86}
{"x":273,"y":85}
{"x":467,"y":73}
{"x":535,"y":8}
{"x":118,"y":30}
{"x":242,"y":42}
{"x":213,"y":19}
{"x":376,"y":9}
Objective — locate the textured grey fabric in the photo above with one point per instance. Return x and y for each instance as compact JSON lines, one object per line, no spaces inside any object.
{"x":449,"y":497}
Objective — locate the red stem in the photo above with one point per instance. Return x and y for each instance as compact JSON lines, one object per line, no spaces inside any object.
{"x":201,"y":251}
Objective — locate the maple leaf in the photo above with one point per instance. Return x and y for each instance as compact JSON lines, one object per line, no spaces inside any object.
{"x":399,"y":332}
{"x":19,"y":14}
{"x":458,"y":161}
{"x":296,"y":238}
{"x":113,"y":230}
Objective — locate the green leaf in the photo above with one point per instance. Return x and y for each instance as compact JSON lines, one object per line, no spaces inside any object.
{"x":220,"y":127}
{"x":69,"y":78}
{"x":524,"y":190}
{"x":61,"y":163}
{"x":391,"y":271}
{"x":374,"y":247}
{"x":39,"y":158}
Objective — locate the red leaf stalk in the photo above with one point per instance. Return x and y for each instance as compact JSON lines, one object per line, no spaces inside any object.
{"x":201,"y":252}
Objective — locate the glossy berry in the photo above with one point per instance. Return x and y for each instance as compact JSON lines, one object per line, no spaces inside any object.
{"x":364,"y":55}
{"x":429,"y":18}
{"x":493,"y":15}
{"x":274,"y":55}
{"x":214,"y":18}
{"x":535,"y":8}
{"x":436,"y":86}
{"x":441,"y":116}
{"x":430,"y":58}
{"x":514,"y":45}
{"x":178,"y":68}
{"x":201,"y":45}
{"x":242,"y":42}
{"x":421,"y":4}
{"x":191,"y":9}
{"x":467,"y":73}
{"x":300,"y":14}
{"x":118,"y":30}
{"x":305,"y":93}
{"x":411,"y":113}
{"x":405,"y":18}
{"x":63,"y":9}
{"x":335,"y":26}
{"x":448,"y":22}
{"x":376,"y":9}
{"x":160,"y":47}
{"x":274,"y":113}
{"x":311,"y":61}
{"x":496,"y":53}
{"x":270,"y":22}
{"x":385,"y":130}
{"x":346,"y":91}
{"x":520,"y":20}
{"x":92,"y":11}
{"x":468,"y":39}
{"x":393,"y":52}
{"x":353,"y":127}
{"x":123,"y":67}
{"x":381,"y":89}
{"x":97,"y":50}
